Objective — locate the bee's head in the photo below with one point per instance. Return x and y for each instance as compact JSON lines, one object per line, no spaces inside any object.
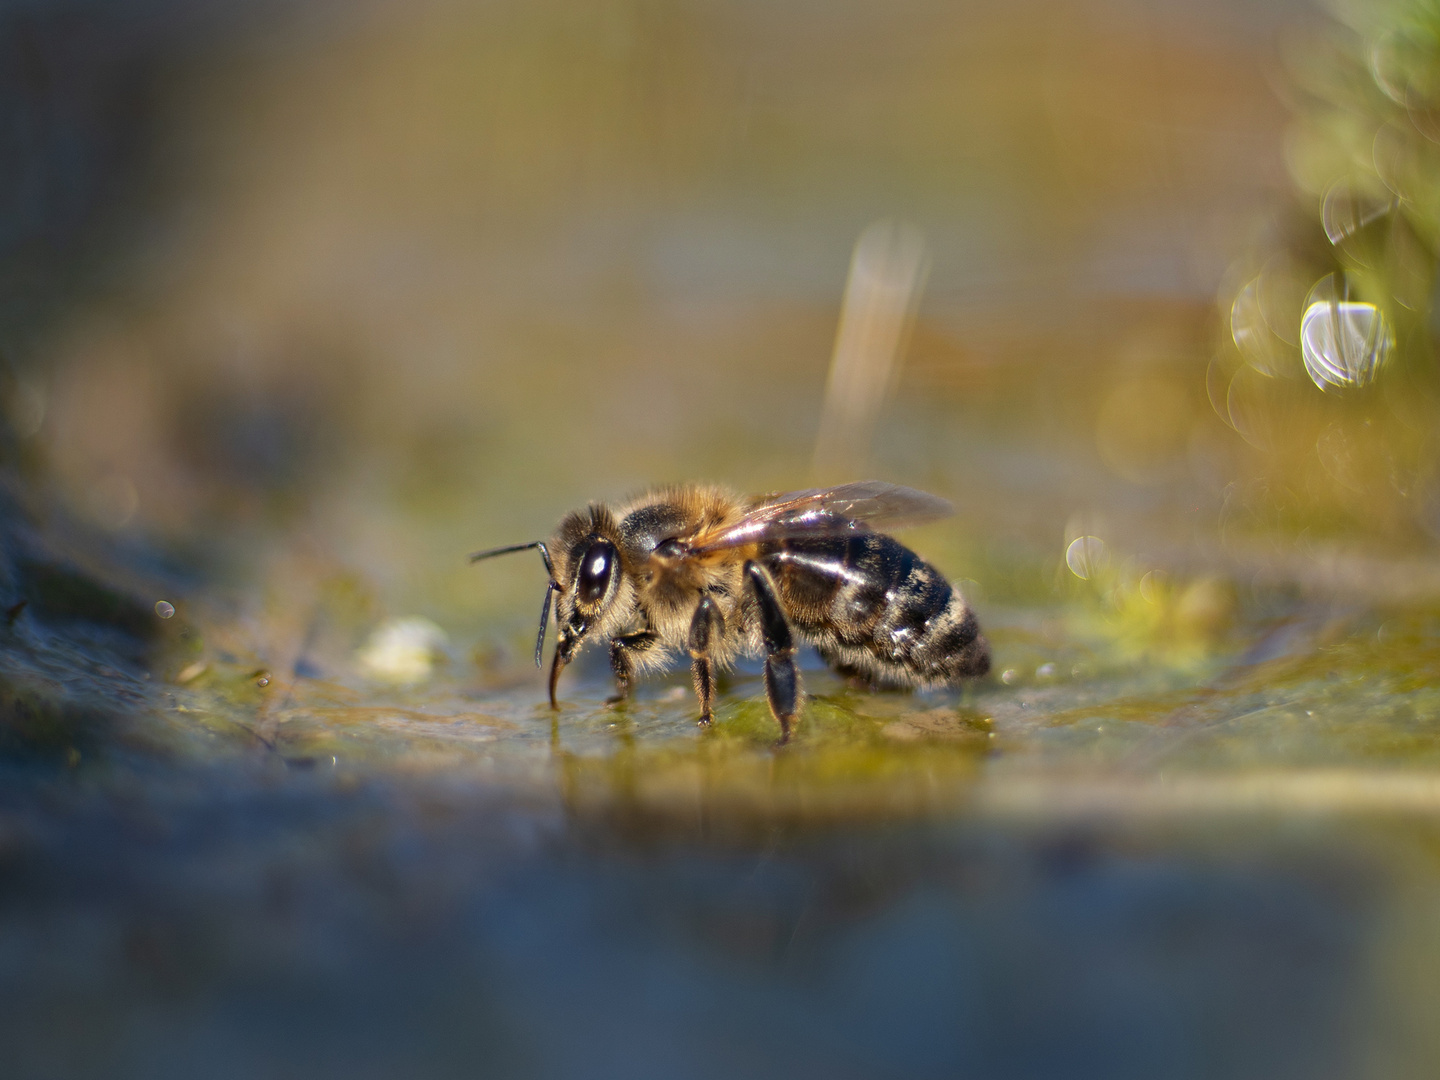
{"x":589,"y":590}
{"x":587,"y":584}
{"x":589,"y":581}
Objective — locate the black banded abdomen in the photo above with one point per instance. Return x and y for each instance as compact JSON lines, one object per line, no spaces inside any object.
{"x":877,"y":610}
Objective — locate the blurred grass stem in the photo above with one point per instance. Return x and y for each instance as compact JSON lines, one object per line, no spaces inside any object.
{"x":887,"y":276}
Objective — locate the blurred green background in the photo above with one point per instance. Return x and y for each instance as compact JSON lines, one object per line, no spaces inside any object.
{"x":303,"y":301}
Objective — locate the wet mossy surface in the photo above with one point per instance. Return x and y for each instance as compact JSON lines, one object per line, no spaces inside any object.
{"x":1210,"y":858}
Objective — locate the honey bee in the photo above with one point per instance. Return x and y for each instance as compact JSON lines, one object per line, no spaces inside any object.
{"x":697,"y":569}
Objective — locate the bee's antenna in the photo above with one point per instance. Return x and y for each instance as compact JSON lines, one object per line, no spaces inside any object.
{"x":551,"y":587}
{"x":544,"y":622}
{"x":504,"y":551}
{"x":544,"y":554}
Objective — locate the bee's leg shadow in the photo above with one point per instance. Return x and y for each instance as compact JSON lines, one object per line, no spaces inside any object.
{"x":706,"y":621}
{"x":623,"y":651}
{"x":782,"y":680}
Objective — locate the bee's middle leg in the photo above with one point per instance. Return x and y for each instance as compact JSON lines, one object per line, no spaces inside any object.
{"x":623,"y":651}
{"x":782,"y":679}
{"x":706,"y":621}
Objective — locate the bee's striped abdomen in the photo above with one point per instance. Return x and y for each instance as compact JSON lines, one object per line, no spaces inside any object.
{"x":875,"y":609}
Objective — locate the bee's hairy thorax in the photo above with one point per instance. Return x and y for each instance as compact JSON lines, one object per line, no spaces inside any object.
{"x":667,"y":589}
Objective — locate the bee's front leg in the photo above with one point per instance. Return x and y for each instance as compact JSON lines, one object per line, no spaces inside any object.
{"x":782,"y":680}
{"x":623,"y":651}
{"x":706,"y":621}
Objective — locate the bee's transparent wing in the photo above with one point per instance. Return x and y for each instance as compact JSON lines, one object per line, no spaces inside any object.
{"x":834,"y":511}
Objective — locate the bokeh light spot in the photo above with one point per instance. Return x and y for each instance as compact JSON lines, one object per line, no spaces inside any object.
{"x":1085,"y":556}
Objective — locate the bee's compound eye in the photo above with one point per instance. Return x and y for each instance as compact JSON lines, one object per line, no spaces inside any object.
{"x":597,"y":566}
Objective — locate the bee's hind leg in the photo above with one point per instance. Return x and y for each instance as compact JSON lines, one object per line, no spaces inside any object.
{"x":706,"y":621}
{"x":782,"y":680}
{"x":623,"y":651}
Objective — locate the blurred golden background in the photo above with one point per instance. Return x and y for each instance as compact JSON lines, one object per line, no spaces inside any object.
{"x":395,"y":281}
